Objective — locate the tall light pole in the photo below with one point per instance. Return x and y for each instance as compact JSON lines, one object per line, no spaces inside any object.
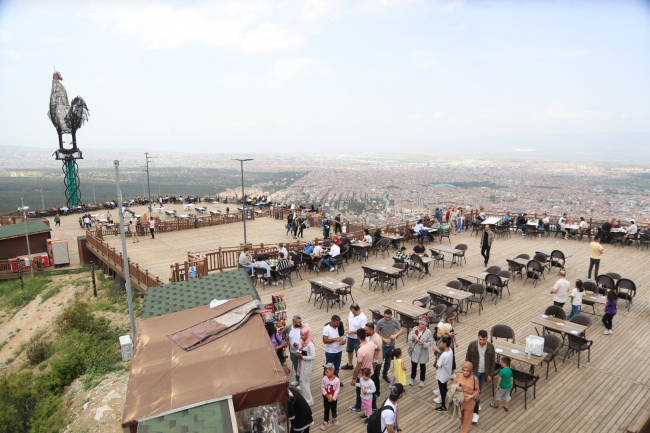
{"x":42,"y":197}
{"x":127,"y":274}
{"x":146,"y":154}
{"x":94,"y":198}
{"x":243,"y":199}
{"x":24,"y":208}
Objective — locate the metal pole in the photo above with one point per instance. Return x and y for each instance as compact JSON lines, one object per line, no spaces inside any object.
{"x":243,"y":199}
{"x":94,"y":198}
{"x":92,"y":274}
{"x":42,"y":198}
{"x":29,"y":253}
{"x":20,"y":274}
{"x":146,"y":154}
{"x":127,"y":275}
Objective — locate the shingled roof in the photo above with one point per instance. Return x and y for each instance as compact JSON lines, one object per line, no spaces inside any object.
{"x":183,"y":295}
{"x":16,"y":230}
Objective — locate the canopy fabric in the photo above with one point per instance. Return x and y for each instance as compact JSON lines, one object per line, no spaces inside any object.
{"x":164,"y":377}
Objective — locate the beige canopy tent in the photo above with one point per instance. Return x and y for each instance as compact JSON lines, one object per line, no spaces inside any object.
{"x":166,"y":379}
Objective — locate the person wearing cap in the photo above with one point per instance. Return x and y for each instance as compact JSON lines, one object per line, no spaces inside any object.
{"x":389,"y":410}
{"x":401,"y":255}
{"x":330,"y":386}
{"x":630,"y":232}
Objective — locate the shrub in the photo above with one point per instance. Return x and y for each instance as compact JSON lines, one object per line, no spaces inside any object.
{"x":38,"y":350}
{"x":16,"y":297}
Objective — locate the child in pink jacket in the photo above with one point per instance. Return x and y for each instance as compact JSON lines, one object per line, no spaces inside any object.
{"x":330,"y":387}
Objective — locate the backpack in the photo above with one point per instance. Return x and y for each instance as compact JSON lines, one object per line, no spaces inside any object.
{"x":374,"y":422}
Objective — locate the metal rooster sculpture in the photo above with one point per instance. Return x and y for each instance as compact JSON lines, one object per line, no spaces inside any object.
{"x":67,"y":119}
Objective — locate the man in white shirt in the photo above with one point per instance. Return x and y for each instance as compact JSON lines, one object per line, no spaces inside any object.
{"x":291,"y":334}
{"x":560,"y":290}
{"x":335,"y":250}
{"x":316,"y":256}
{"x":356,"y":320}
{"x":333,"y":343}
{"x":389,"y":410}
{"x":630,"y":232}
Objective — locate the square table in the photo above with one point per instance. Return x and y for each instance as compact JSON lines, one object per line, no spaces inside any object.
{"x":406,"y":309}
{"x":521,"y":355}
{"x":448,"y":250}
{"x":548,"y":254}
{"x":183,"y":217}
{"x":455,"y":295}
{"x":491,"y":221}
{"x":331,"y":284}
{"x":201,"y":209}
{"x":188,"y":206}
{"x":558,"y":325}
{"x":215,"y":212}
{"x":480,"y":276}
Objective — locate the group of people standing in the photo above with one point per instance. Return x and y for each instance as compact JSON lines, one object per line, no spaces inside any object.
{"x":370,"y":350}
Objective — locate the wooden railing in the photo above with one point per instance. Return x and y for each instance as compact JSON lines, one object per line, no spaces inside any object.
{"x":139,"y":275}
{"x":201,"y":267}
{"x":7,"y":272}
{"x":593,"y":222}
{"x":225,"y":258}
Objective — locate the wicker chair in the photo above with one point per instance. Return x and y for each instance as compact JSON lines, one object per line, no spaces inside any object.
{"x":464,"y":284}
{"x":583,"y":320}
{"x":524,"y":380}
{"x":368,"y":274}
{"x":502,"y":331}
{"x":494,"y":285}
{"x":437,"y":258}
{"x":382,"y":246}
{"x":578,"y":344}
{"x":422,"y":302}
{"x":458,"y":258}
{"x":534,"y":270}
{"x":418,"y":265}
{"x":478,"y":291}
{"x":626,"y":291}
{"x":523,"y":256}
{"x":556,"y":260}
{"x":552,"y":346}
{"x":358,"y":251}
{"x":493,"y":269}
{"x":403,"y":267}
{"x":515,"y":268}
{"x":591,"y":287}
{"x":348,"y":291}
{"x":606,"y":282}
{"x":381,"y":278}
{"x":376,"y":316}
{"x":316,"y":291}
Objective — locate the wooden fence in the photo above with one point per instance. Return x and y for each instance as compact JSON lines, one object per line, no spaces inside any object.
{"x":7,"y":272}
{"x":201,"y":267}
{"x":114,"y":259}
{"x":225,"y":258}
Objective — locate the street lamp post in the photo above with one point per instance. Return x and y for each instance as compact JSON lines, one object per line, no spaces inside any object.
{"x":24,"y":208}
{"x":243,"y":198}
{"x":146,"y":154}
{"x":42,"y":197}
{"x":94,"y":198}
{"x":127,"y":275}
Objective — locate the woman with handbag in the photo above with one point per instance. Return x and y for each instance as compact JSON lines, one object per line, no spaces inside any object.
{"x":468,"y":383}
{"x":421,"y":339}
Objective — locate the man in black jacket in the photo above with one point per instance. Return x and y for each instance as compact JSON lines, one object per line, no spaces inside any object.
{"x":521,"y":223}
{"x":483,"y":358}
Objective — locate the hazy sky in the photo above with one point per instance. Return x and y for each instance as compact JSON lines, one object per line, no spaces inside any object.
{"x":292,"y":76}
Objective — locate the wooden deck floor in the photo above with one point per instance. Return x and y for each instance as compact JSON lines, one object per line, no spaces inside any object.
{"x":604,"y":395}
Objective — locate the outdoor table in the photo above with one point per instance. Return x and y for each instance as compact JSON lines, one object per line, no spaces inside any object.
{"x":95,"y":216}
{"x":201,"y":209}
{"x":621,"y":230}
{"x":491,"y":221}
{"x":331,"y":284}
{"x":360,"y":244}
{"x":448,"y":250}
{"x":455,"y":295}
{"x":183,"y":216}
{"x":102,"y":220}
{"x":548,"y":254}
{"x":558,"y":325}
{"x":480,"y":276}
{"x":159,"y":209}
{"x":518,"y":353}
{"x":406,"y":309}
{"x":187,"y":206}
{"x":215,"y":212}
{"x":394,"y":238}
